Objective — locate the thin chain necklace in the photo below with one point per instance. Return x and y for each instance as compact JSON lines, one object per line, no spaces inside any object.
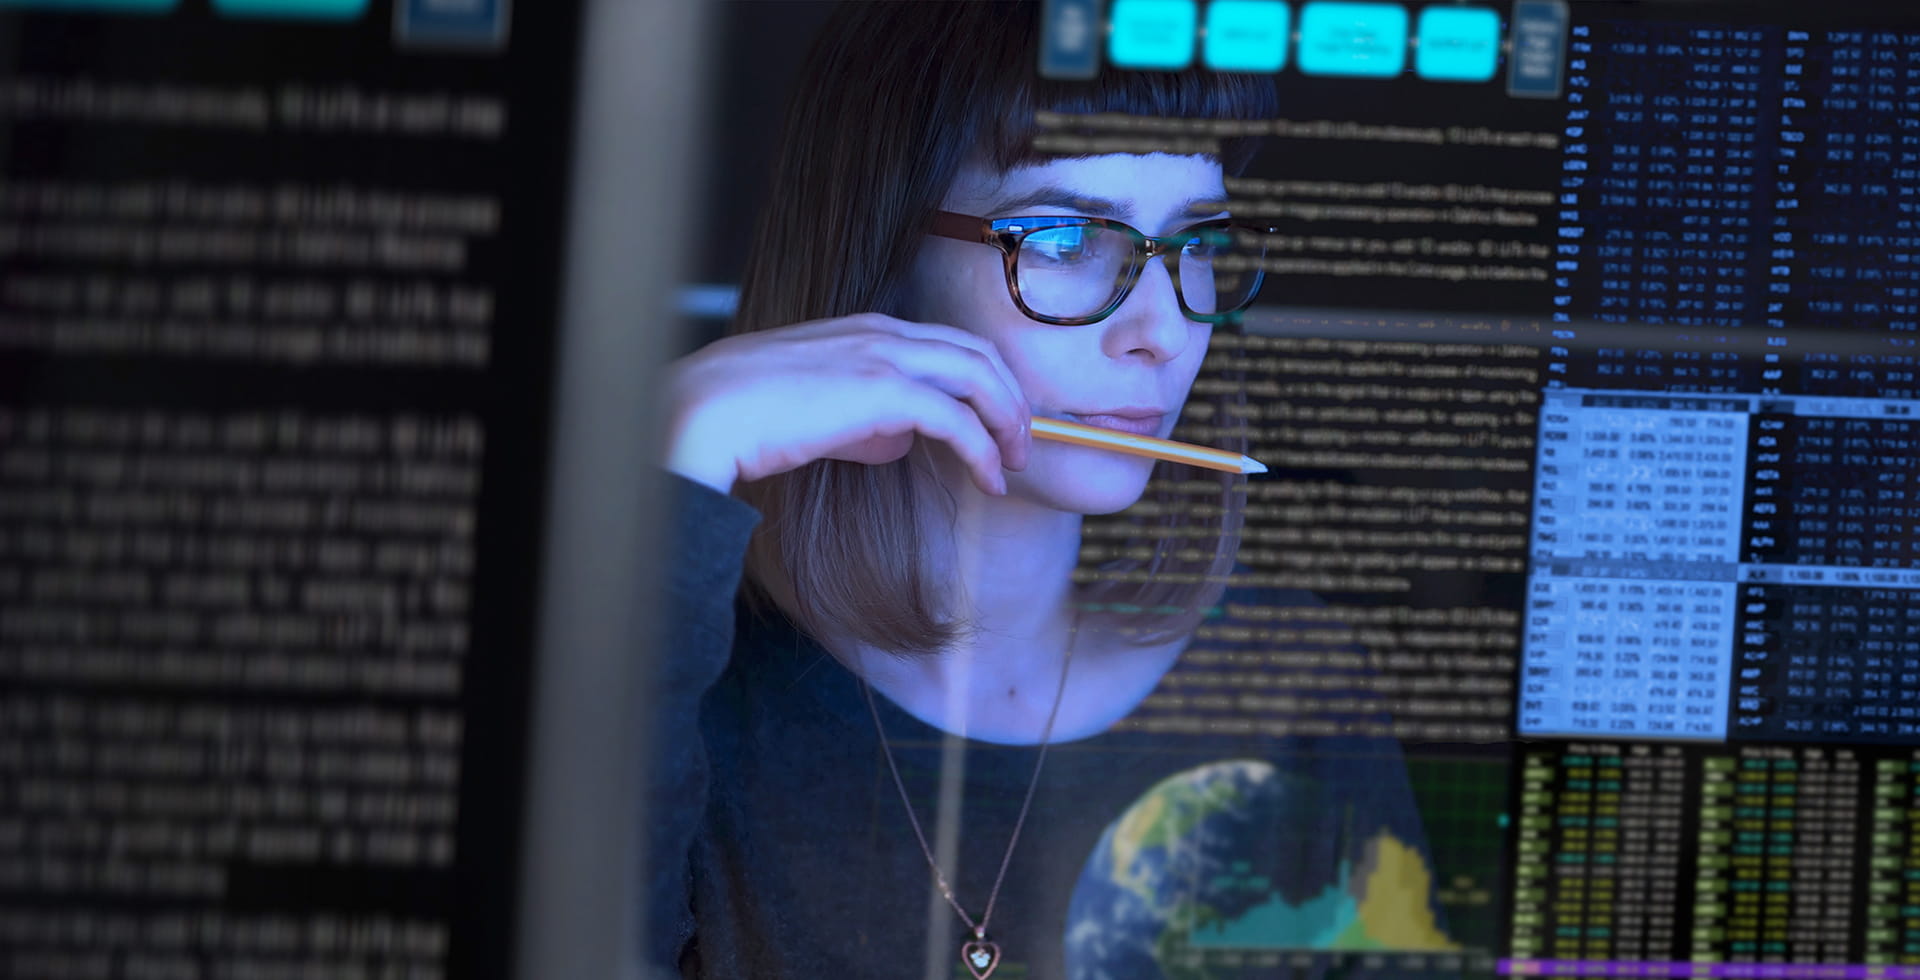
{"x":980,"y":954}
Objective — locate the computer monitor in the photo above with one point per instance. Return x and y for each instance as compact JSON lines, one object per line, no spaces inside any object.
{"x":312,"y":312}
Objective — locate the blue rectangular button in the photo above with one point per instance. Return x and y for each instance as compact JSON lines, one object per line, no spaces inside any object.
{"x":1457,"y":44}
{"x":1070,"y":39}
{"x":1537,"y":63}
{"x":292,"y":9}
{"x":458,"y":23}
{"x":1365,"y":39}
{"x":1152,"y":33}
{"x":1247,"y":35}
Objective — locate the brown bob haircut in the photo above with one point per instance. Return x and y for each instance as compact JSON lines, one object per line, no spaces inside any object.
{"x":894,"y":98}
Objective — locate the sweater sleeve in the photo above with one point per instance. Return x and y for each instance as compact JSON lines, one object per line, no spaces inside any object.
{"x":706,"y":535}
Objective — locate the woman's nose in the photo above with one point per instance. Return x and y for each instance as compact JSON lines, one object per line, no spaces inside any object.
{"x":1150,"y":319}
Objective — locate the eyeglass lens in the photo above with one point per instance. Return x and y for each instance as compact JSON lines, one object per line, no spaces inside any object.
{"x":1078,"y":270}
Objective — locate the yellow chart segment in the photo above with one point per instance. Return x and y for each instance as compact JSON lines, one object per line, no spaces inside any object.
{"x":1394,"y":912}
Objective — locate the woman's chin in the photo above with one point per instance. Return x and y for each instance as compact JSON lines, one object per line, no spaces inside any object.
{"x":1082,"y":480}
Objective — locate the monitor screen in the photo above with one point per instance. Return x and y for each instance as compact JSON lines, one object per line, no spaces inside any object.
{"x":279,"y":282}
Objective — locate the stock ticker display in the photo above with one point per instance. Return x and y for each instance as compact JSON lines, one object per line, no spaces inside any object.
{"x":1722,"y":651}
{"x":1719,"y":688}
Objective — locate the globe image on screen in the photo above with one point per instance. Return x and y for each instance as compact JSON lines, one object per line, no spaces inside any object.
{"x":1241,"y":856}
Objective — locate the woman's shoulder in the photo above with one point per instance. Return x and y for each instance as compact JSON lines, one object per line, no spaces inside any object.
{"x":695,"y":505}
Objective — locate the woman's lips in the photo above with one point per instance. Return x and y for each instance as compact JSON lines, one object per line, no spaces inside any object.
{"x":1140,"y":425}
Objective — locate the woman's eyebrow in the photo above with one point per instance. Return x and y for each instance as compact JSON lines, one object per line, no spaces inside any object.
{"x":1205,"y":204}
{"x":1055,"y":196}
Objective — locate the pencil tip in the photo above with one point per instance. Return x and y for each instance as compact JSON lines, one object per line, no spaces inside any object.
{"x":1252,"y":466}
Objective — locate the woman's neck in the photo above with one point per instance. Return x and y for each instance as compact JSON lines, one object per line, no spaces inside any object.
{"x":1008,"y":564}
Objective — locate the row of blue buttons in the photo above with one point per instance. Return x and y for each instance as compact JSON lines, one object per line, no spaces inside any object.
{"x":1335,"y":38}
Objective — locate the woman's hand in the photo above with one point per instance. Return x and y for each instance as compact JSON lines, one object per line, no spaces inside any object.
{"x":857,"y":388}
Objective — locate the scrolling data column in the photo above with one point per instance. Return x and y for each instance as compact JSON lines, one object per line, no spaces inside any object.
{"x":1598,"y":873}
{"x":1636,"y":545}
{"x":1830,"y":638}
{"x":1893,"y":890}
{"x":1776,"y":848}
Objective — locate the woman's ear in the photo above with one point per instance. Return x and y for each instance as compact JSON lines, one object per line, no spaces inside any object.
{"x":906,"y":296}
{"x":906,"y":299}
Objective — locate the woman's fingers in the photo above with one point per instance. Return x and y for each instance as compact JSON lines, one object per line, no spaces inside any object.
{"x":961,"y":338}
{"x":970,"y":375}
{"x":857,"y":388}
{"x":937,"y":415}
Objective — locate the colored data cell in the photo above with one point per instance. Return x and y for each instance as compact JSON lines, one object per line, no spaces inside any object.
{"x":1358,"y":39}
{"x":292,"y":9}
{"x":1152,"y":33}
{"x":98,"y":6}
{"x":1457,"y":44}
{"x":451,"y":23}
{"x":1070,"y":39}
{"x":1539,"y":59}
{"x":1247,"y":35}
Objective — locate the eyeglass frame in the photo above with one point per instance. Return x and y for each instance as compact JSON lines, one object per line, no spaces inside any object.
{"x":1006,"y":234}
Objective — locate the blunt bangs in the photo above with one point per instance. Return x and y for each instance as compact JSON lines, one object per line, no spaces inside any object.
{"x":1192,"y":94}
{"x":1002,"y":39}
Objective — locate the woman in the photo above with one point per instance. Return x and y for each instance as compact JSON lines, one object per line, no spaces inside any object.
{"x":868,"y":726}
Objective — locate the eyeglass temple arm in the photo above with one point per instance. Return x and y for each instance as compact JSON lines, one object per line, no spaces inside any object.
{"x":967,"y":228}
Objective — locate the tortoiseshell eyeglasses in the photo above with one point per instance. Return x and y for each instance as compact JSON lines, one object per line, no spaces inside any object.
{"x":1072,"y":271}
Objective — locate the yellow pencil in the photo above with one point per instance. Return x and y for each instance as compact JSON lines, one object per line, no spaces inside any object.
{"x":1127,"y":442}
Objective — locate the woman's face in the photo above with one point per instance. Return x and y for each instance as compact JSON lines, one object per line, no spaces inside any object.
{"x":1143,"y":357}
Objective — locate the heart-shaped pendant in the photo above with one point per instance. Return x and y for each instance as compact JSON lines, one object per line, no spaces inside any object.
{"x":981,"y":957}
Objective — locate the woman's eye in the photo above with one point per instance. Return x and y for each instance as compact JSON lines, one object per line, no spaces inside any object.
{"x":1208,"y":243}
{"x":1204,"y":246}
{"x":1058,"y":244}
